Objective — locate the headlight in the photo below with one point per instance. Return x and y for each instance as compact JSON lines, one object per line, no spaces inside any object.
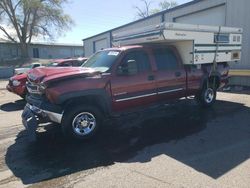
{"x":42,"y":87}
{"x":16,"y":83}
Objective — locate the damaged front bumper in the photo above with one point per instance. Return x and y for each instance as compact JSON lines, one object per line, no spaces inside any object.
{"x":30,"y":122}
{"x":33,"y":115}
{"x":45,"y":114}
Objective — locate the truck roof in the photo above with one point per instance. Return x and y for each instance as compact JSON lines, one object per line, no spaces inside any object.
{"x":124,"y":48}
{"x":149,"y":45}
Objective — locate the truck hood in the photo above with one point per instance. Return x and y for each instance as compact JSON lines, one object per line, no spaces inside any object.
{"x":46,"y":74}
{"x":19,"y":77}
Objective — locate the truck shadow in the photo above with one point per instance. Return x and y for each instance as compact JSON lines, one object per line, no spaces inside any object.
{"x":13,"y":106}
{"x":199,"y":138}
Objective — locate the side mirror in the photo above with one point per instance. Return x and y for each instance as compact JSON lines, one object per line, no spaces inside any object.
{"x":128,"y":68}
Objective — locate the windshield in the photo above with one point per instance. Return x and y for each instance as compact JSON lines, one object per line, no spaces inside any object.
{"x":102,"y":61}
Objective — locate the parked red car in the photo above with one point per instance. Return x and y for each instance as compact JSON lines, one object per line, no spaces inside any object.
{"x":68,"y":62}
{"x":17,"y":83}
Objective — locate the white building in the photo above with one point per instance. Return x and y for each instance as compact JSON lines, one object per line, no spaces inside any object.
{"x":10,"y":50}
{"x":232,"y":13}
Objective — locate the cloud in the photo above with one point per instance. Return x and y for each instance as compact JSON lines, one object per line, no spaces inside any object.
{"x":10,"y":31}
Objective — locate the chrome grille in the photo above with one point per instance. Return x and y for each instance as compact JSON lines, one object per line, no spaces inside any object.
{"x":33,"y":88}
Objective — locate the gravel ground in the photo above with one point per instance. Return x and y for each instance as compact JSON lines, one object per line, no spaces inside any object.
{"x":178,"y":146}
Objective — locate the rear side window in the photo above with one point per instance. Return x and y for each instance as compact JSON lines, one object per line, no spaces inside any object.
{"x":165,"y":59}
{"x":141,"y":58}
{"x":35,"y":65}
{"x":65,"y":64}
{"x":76,"y":63}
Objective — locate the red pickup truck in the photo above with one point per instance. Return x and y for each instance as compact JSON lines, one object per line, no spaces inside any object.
{"x":116,"y":81}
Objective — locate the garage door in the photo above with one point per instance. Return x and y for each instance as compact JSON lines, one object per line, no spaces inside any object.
{"x":212,"y":16}
{"x":100,"y":44}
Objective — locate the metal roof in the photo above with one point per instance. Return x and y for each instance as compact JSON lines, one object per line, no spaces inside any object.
{"x":4,"y":41}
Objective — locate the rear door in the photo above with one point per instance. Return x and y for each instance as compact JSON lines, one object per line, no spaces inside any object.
{"x":135,"y":89}
{"x":170,"y":76}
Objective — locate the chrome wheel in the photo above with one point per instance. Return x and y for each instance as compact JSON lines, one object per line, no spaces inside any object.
{"x":84,"y":123}
{"x":209,"y":95}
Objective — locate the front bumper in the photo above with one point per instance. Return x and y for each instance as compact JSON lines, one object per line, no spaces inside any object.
{"x":44,"y":109}
{"x":38,"y":111}
{"x":9,"y":88}
{"x":19,"y":90}
{"x":45,"y":114}
{"x":30,"y":122}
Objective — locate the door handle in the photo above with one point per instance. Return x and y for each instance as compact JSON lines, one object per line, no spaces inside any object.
{"x":151,"y":77}
{"x":177,"y":74}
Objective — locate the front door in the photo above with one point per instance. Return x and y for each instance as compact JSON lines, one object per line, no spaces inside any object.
{"x":134,"y":82}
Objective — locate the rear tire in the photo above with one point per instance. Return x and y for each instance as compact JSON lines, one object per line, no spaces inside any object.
{"x":207,"y":96}
{"x":81,"y":122}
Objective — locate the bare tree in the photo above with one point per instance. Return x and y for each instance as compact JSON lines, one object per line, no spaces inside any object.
{"x":147,"y":11}
{"x":32,"y":18}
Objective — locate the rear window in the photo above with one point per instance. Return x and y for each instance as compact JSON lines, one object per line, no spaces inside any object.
{"x":165,"y":59}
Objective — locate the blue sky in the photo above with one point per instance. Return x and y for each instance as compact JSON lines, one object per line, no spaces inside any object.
{"x":95,"y":16}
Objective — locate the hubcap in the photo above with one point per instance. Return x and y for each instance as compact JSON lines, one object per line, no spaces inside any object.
{"x":209,"y":95}
{"x":84,"y":123}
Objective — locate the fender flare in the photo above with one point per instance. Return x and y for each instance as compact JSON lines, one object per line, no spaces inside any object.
{"x":98,"y":93}
{"x":206,"y":77}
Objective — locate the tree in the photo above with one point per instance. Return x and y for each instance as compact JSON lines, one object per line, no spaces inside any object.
{"x":143,"y":12}
{"x":32,"y":18}
{"x":147,"y":11}
{"x":164,"y":5}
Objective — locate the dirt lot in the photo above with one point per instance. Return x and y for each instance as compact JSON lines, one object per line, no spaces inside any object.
{"x":178,"y":146}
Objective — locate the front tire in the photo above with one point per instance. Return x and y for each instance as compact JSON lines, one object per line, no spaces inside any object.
{"x":81,"y":122}
{"x":207,"y":96}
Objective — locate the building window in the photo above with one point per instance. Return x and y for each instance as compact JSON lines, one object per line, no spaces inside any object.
{"x":35,"y":53}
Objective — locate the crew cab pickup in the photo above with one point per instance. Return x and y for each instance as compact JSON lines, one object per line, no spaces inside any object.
{"x":116,"y":81}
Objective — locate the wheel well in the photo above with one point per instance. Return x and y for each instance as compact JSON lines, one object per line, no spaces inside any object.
{"x":92,"y":100}
{"x":214,"y":81}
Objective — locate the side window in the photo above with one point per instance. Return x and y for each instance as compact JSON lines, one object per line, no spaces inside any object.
{"x":65,"y":64}
{"x":35,"y":65}
{"x":165,"y":59}
{"x":141,"y":58}
{"x":76,"y":63}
